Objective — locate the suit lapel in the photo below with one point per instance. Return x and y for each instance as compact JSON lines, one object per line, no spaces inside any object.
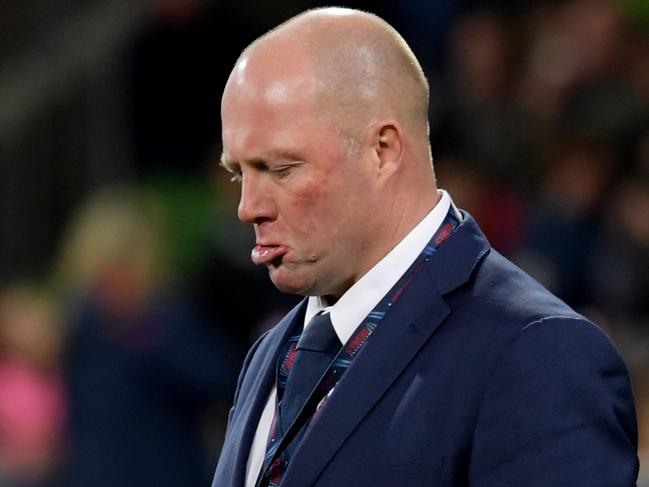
{"x":401,"y":334}
{"x":371,"y":374}
{"x":260,"y":377}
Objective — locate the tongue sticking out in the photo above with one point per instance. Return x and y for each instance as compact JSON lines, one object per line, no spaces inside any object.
{"x":265,"y":254}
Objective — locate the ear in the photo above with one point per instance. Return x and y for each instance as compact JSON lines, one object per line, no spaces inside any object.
{"x":389,"y":147}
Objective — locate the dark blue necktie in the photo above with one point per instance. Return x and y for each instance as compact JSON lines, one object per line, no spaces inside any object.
{"x":316,"y":349}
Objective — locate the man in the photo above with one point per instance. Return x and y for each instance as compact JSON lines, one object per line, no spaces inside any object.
{"x":438,"y":361}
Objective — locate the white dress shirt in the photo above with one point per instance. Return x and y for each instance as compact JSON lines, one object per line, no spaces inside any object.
{"x":352,"y":307}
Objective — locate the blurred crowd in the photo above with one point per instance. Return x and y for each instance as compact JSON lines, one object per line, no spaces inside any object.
{"x":118,"y":369}
{"x":118,"y":362}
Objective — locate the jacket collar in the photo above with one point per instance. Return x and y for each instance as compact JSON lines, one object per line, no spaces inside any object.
{"x":256,"y":388}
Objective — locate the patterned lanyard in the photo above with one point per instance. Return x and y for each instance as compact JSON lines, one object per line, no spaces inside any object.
{"x":279,"y":444}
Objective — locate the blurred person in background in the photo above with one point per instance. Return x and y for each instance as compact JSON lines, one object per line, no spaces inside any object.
{"x":141,"y":368}
{"x":32,"y":401}
{"x":621,"y":279}
{"x":564,"y":219}
{"x":476,"y":122}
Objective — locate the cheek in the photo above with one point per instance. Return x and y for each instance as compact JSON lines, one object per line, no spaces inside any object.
{"x":314,"y":211}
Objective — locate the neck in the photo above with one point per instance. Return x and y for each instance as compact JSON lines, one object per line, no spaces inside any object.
{"x":403,"y":219}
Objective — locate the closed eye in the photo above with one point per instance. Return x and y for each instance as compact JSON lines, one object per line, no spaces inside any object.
{"x":283,"y":170}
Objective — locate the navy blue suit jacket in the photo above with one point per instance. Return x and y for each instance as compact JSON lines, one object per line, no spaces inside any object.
{"x":477,"y":377}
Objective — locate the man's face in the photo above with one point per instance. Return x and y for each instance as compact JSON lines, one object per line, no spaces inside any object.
{"x":311,"y":205}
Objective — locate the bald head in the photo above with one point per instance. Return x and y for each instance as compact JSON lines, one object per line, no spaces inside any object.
{"x":354,"y":66}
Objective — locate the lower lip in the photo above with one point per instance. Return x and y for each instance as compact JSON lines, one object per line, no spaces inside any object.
{"x":265,"y":254}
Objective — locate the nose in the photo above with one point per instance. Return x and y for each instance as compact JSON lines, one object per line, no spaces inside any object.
{"x":256,"y":204}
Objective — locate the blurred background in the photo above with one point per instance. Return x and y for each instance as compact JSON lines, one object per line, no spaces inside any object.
{"x":127,"y":300}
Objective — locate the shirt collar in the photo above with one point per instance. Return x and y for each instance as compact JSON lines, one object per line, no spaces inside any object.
{"x":364,"y":295}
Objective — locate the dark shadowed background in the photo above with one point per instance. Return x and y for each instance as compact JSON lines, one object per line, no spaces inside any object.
{"x":127,"y":298}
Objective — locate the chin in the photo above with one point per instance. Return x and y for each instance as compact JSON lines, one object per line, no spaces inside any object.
{"x":291,"y":284}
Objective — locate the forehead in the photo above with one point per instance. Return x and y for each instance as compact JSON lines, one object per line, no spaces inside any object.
{"x":259,"y":131}
{"x":273,"y":114}
{"x":277,"y":101}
